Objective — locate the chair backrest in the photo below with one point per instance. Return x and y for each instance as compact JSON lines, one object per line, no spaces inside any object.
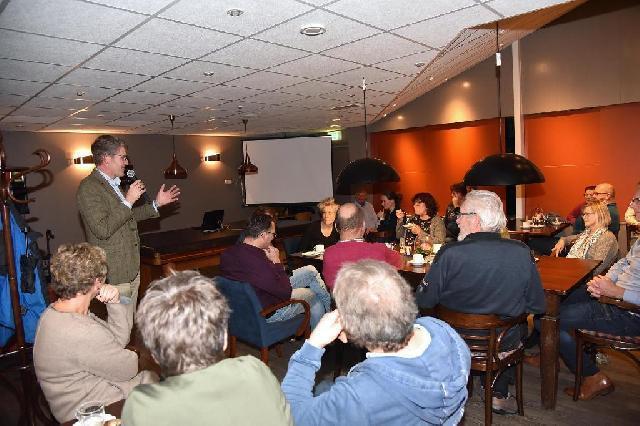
{"x":483,"y":334}
{"x":245,"y":321}
{"x":291,"y":245}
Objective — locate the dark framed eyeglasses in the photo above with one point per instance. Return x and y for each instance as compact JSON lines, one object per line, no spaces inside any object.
{"x":466,"y":213}
{"x":635,"y":200}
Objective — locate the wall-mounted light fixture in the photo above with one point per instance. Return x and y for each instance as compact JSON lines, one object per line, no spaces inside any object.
{"x":211,"y":158}
{"x":86,"y":159}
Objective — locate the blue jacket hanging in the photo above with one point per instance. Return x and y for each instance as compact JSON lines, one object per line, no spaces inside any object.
{"x":29,"y":279}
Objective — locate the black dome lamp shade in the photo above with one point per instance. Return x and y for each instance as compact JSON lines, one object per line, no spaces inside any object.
{"x":366,"y":170}
{"x":502,"y":169}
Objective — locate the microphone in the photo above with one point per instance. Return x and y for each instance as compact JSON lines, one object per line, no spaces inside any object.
{"x":130,"y":177}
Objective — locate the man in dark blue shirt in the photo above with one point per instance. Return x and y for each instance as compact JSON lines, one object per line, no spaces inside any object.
{"x":483,"y":273}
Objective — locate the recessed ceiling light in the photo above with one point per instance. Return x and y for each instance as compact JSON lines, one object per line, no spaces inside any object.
{"x":384,"y":115}
{"x":208,"y":73}
{"x":335,"y":125}
{"x":212,"y":119}
{"x":100,"y":115}
{"x":19,"y":125}
{"x":77,"y":124}
{"x":400,"y":117}
{"x":235,"y":12}
{"x":501,"y":44}
{"x":419,"y":64}
{"x":502,"y":31}
{"x":466,"y":84}
{"x":80,"y":94}
{"x":430,"y":78}
{"x":313,"y":30}
{"x":394,"y":105}
{"x":336,"y":119}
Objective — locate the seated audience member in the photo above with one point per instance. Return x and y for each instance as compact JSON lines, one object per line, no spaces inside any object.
{"x":352,"y":246}
{"x":458,"y":192}
{"x":77,"y":356}
{"x":426,"y":225}
{"x":257,"y":262}
{"x":622,"y":281}
{"x":183,"y":321}
{"x":596,"y":242}
{"x":388,"y":218}
{"x":269,"y":211}
{"x":323,"y":231}
{"x":577,"y":210}
{"x":632,"y":215}
{"x":604,"y":193}
{"x":483,"y":273}
{"x":370,"y":217}
{"x":416,"y":369}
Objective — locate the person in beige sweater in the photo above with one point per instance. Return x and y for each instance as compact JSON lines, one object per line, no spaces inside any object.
{"x":596,"y":242}
{"x":77,"y":356}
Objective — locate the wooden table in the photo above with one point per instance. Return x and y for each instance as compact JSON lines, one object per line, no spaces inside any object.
{"x":518,"y":232}
{"x":115,"y":409}
{"x":559,"y":276}
{"x":191,"y":248}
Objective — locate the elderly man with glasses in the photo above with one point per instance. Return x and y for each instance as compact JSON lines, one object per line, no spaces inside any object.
{"x":483,"y":273}
{"x":604,"y":193}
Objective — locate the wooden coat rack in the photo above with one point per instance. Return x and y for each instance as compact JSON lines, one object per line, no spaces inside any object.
{"x":29,"y":398}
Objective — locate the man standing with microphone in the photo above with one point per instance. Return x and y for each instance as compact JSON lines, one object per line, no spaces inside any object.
{"x":109,"y":217}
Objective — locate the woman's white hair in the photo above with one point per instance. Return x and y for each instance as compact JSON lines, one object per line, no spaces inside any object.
{"x":488,"y":207}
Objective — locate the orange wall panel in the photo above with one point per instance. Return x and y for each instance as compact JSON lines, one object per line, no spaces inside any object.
{"x":429,"y":159}
{"x":578,"y":148}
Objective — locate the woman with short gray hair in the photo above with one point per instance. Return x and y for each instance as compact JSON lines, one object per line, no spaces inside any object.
{"x":183,"y":321}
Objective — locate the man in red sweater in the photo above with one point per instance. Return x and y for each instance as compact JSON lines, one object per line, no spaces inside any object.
{"x":352,"y":246}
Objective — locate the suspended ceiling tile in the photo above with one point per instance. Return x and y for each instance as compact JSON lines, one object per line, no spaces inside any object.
{"x":171,"y":38}
{"x":257,"y":16}
{"x":379,"y":13}
{"x":171,"y":86}
{"x":138,"y":97}
{"x":228,"y":92}
{"x":516,"y":7}
{"x":374,"y":49}
{"x":132,"y":61}
{"x":110,"y":79}
{"x":21,"y":127}
{"x":197,"y":70}
{"x":29,"y":117}
{"x":20,"y":87}
{"x":195,"y":102}
{"x":254,"y":54}
{"x":339,"y":31}
{"x":438,"y":32}
{"x":407,"y":64}
{"x":391,"y":86}
{"x":275,"y":98}
{"x":354,"y":77}
{"x":121,"y":107}
{"x":68,"y":19}
{"x":313,"y":88}
{"x":34,"y":71}
{"x":146,"y":6}
{"x":7,"y":100}
{"x":314,"y":66}
{"x":168,"y":109}
{"x":265,"y":80}
{"x":31,"y":47}
{"x":61,"y":104}
{"x":70,"y":91}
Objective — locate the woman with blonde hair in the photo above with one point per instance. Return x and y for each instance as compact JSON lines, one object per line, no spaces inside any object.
{"x":596,"y":242}
{"x":322,"y":231}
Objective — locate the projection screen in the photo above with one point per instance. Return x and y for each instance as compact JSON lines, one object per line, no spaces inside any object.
{"x":294,"y":170}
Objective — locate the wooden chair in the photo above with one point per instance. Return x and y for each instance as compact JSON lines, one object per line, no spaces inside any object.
{"x":484,"y":334}
{"x":595,"y":339}
{"x":248,"y":321}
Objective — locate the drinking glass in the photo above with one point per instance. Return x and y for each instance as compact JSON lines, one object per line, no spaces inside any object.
{"x":90,"y":413}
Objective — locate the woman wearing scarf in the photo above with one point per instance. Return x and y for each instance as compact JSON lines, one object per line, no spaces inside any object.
{"x":596,"y":242}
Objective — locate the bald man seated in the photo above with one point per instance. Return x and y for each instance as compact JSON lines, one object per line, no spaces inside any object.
{"x":352,"y":247}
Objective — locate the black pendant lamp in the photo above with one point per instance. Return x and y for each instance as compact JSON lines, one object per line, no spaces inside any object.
{"x":175,"y":170}
{"x":364,"y":171}
{"x":502,"y":169}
